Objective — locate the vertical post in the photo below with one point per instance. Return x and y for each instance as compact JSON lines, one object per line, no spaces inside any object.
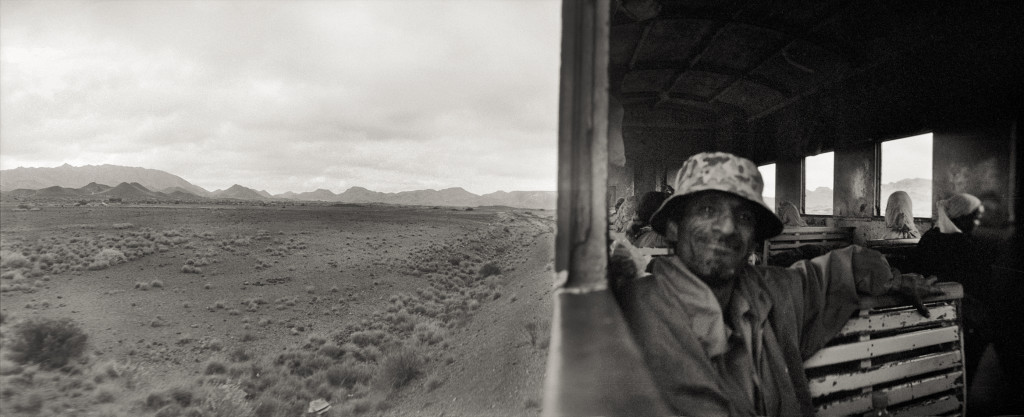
{"x":580,"y":246}
{"x":594,"y":366}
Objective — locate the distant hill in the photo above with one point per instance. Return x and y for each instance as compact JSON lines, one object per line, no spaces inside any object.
{"x":241,"y":193}
{"x":533,"y":199}
{"x":67,"y":182}
{"x":820,"y":200}
{"x":77,"y":177}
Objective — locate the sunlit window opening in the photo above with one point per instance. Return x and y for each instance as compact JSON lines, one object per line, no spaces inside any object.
{"x":819,"y":171}
{"x":907,"y":166}
{"x":768,"y":175}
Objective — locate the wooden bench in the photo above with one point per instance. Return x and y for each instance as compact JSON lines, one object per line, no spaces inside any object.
{"x":794,"y":237}
{"x":889,"y":353}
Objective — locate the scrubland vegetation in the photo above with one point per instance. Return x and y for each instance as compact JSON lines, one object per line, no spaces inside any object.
{"x":360,"y":365}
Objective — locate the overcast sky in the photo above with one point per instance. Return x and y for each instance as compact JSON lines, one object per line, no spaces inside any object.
{"x":287,"y":96}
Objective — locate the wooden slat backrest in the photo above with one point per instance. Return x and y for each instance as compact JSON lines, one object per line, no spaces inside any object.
{"x":889,"y":349}
{"x":793,"y":237}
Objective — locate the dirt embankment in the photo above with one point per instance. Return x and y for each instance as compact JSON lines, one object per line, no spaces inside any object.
{"x":377,"y":310}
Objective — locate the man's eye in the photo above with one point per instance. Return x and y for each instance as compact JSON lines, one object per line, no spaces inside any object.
{"x":746,"y":218}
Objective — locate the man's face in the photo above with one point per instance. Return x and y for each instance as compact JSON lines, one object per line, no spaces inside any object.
{"x":714,"y":233}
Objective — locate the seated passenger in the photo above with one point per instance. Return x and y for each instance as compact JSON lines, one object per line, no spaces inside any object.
{"x":724,"y":338}
{"x":950,"y":252}
{"x":790,"y":215}
{"x":899,"y":217}
{"x":624,"y":215}
{"x":640,"y":232}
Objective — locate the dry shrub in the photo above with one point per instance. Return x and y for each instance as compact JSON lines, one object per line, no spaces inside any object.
{"x":348,"y":374}
{"x":215,"y":368}
{"x":52,"y":343}
{"x":11,"y":259}
{"x":368,"y":337}
{"x":428,"y":333}
{"x":399,"y":367}
{"x":106,"y":258}
{"x":489,"y":269}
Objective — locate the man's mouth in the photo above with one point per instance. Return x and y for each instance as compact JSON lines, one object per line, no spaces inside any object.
{"x":715,"y":247}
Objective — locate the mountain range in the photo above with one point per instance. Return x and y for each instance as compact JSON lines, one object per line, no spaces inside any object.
{"x":820,"y":200}
{"x":71,"y":183}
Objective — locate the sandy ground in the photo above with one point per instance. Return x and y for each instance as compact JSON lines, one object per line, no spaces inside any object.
{"x":332,"y":266}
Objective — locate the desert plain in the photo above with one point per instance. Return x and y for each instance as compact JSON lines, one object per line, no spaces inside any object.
{"x":271,"y":309}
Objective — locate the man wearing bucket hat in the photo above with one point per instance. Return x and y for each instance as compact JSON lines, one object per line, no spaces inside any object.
{"x":725,"y":338}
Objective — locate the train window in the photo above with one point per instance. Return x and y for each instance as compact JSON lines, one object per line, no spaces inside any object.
{"x":907,"y":166}
{"x":768,"y":175}
{"x":819,"y":171}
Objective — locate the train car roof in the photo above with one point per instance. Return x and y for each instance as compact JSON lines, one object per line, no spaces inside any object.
{"x":784,"y":79}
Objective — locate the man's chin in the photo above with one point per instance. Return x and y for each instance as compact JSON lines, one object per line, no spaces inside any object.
{"x":716,"y":272}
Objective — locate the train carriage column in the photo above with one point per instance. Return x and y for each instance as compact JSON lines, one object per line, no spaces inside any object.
{"x":594,"y":367}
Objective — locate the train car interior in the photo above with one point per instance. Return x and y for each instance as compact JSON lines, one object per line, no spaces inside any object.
{"x":789,"y":85}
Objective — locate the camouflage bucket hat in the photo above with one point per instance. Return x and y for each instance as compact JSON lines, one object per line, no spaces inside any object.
{"x":719,"y":171}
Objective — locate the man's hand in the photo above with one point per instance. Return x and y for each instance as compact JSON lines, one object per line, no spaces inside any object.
{"x":915,"y":287}
{"x":625,"y":262}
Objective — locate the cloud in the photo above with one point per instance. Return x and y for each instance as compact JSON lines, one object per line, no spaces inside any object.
{"x":287,"y":95}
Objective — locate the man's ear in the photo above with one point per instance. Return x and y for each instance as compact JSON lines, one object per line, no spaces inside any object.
{"x":671,"y":231}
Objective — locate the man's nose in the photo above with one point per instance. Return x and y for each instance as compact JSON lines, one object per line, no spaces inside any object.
{"x":725,"y":224}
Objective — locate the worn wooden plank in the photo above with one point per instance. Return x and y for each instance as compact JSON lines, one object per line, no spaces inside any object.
{"x":897,"y":395}
{"x":655,"y":251}
{"x":817,"y":229}
{"x":888,"y":372}
{"x":950,"y":291}
{"x":935,"y":407}
{"x":882,"y":346}
{"x":891,"y":320}
{"x":776,"y":247}
{"x":812,"y":236}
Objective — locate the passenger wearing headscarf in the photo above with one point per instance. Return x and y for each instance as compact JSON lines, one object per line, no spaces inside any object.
{"x":790,"y":215}
{"x":899,"y":217}
{"x":950,"y":252}
{"x":640,"y":233}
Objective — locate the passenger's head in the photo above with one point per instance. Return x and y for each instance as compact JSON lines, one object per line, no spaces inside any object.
{"x":716,"y":215}
{"x":649,"y":203}
{"x":899,"y":211}
{"x":618,"y":203}
{"x":959,"y":213}
{"x":790,"y":215}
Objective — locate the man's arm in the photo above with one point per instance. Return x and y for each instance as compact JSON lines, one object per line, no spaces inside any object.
{"x":826,"y":290}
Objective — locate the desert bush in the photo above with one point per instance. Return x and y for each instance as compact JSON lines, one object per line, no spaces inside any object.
{"x":368,"y":337}
{"x":104,"y":395}
{"x":123,"y":225}
{"x":428,"y":333}
{"x":399,"y":367}
{"x":106,"y":258}
{"x":489,"y":269}
{"x":52,"y":343}
{"x":11,"y":259}
{"x":239,"y":354}
{"x":348,"y":374}
{"x":215,"y":368}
